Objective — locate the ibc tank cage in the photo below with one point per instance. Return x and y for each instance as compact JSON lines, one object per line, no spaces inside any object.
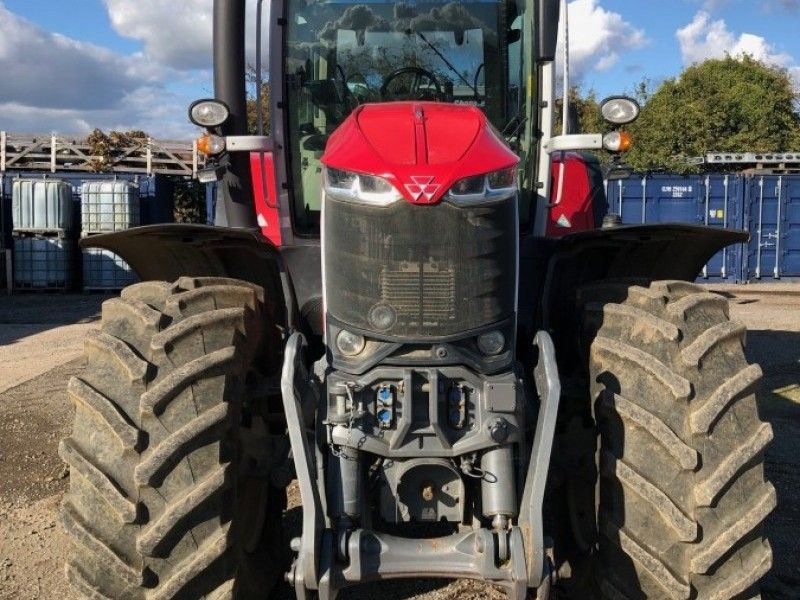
{"x":107,"y":206}
{"x":42,"y":206}
{"x":104,"y":270}
{"x":44,"y":262}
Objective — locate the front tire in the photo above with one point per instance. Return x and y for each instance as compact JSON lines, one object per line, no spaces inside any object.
{"x":158,"y":505}
{"x":681,"y":492}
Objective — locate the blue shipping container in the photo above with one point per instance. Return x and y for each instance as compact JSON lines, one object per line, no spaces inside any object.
{"x":773,"y":219}
{"x":712,"y":200}
{"x":723,"y":208}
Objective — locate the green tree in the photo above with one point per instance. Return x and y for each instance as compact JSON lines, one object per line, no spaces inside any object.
{"x":584,"y":117}
{"x":584,"y":112}
{"x":252,"y":104}
{"x":725,"y":105}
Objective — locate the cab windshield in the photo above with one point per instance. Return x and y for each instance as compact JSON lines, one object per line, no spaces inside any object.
{"x":342,"y":54}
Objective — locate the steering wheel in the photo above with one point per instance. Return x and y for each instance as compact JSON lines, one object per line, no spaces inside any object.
{"x":420,"y":75}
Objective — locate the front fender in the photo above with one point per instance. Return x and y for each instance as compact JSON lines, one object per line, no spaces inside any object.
{"x":552,"y":270}
{"x":167,"y":252}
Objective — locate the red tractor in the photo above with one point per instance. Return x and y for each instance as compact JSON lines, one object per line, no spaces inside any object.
{"x":455,"y":393}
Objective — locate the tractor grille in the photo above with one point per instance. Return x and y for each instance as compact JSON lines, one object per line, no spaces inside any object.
{"x":421,"y":294}
{"x":437,"y":270}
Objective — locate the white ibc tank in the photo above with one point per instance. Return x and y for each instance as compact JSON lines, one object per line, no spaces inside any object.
{"x":44,"y":262}
{"x":104,"y":270}
{"x":109,"y":206}
{"x":42,"y":205}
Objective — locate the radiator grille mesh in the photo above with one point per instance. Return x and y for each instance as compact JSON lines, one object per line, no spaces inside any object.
{"x":440,"y":270}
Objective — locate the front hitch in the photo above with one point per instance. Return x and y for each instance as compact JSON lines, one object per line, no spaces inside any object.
{"x":375,"y":556}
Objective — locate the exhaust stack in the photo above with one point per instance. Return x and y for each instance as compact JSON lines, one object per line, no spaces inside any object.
{"x":235,"y":196}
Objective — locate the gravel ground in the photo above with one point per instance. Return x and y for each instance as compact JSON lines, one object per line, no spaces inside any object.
{"x":40,"y":345}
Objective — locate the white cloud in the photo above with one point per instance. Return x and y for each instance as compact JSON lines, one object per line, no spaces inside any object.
{"x":598,"y":37}
{"x":148,"y":108}
{"x":705,"y":38}
{"x":51,"y":82}
{"x":55,"y":72}
{"x":176,"y":33}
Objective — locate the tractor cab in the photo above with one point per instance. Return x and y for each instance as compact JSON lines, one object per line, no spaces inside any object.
{"x":342,"y":54}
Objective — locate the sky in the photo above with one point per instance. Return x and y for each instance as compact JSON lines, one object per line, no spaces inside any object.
{"x":68,"y":66}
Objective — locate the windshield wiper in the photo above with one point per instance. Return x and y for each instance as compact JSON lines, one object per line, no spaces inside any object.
{"x":444,"y":59}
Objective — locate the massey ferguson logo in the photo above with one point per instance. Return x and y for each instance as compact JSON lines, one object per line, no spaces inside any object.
{"x":422,"y":186}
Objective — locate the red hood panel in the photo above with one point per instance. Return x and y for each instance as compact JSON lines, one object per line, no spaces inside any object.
{"x":450,"y":131}
{"x":422,"y":148}
{"x":390,"y":132}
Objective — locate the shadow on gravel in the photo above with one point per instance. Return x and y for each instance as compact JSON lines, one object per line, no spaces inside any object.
{"x":24,"y":314}
{"x":778,"y":353}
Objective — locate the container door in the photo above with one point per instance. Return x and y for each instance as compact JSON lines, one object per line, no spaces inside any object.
{"x":673,"y":199}
{"x":789,"y":251}
{"x":627,"y":199}
{"x":767,"y":224}
{"x":722,"y":206}
{"x":659,"y":199}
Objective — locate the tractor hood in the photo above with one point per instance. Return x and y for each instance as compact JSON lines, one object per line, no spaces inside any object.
{"x":422,"y":148}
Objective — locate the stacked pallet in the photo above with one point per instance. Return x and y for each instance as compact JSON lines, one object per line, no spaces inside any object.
{"x":106,"y":207}
{"x":44,"y":235}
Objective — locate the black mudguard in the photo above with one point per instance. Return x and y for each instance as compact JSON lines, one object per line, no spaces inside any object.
{"x":553,"y":270}
{"x":167,"y":252}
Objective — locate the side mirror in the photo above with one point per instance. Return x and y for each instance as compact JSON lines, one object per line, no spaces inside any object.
{"x":549,"y":12}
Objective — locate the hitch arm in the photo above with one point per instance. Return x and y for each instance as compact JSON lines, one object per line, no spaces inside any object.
{"x":548,"y":388}
{"x":305,"y":571}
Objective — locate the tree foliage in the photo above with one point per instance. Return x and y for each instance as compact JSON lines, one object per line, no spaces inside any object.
{"x":190,"y":201}
{"x":721,"y":105}
{"x":252,"y":102}
{"x":725,"y":105}
{"x":584,"y":113}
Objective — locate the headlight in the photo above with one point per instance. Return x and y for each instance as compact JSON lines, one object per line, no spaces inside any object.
{"x":209,"y":113}
{"x":357,"y":187}
{"x":350,"y":344}
{"x":478,"y":189}
{"x":619,"y":110}
{"x":491,"y":343}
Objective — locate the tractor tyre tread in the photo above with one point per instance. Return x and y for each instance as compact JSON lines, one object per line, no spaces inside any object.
{"x":153,"y":451}
{"x":681,"y":493}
